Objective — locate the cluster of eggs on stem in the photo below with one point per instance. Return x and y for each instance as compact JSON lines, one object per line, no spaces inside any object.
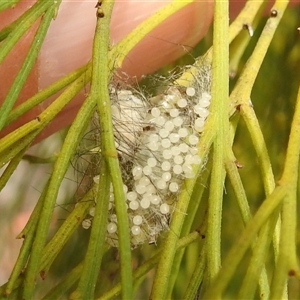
{"x":157,"y":144}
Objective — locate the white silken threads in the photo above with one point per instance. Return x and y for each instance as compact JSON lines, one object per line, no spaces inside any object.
{"x":157,"y":146}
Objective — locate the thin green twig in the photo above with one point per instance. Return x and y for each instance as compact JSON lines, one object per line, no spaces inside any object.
{"x":8,"y":4}
{"x":148,"y":265}
{"x":99,"y":91}
{"x":256,"y":271}
{"x":24,"y":135}
{"x":27,"y":234}
{"x":59,"y":170}
{"x":96,"y":246}
{"x":26,"y":22}
{"x":65,"y":231}
{"x":219,"y":111}
{"x":45,"y":94}
{"x":271,"y":203}
{"x":240,"y":97}
{"x":64,"y":285}
{"x":26,"y":67}
{"x":197,"y":276}
{"x":9,"y":170}
{"x":287,"y":263}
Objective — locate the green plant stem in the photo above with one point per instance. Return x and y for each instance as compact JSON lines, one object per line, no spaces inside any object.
{"x":257,"y":137}
{"x":8,"y":4}
{"x":239,"y":45}
{"x":240,"y":98}
{"x":197,"y":277}
{"x":24,"y":135}
{"x":161,"y":285}
{"x":33,"y":219}
{"x":99,"y":90}
{"x":219,"y":93}
{"x":26,"y":67}
{"x":66,"y":230}
{"x":243,"y":96}
{"x":238,"y":188}
{"x":287,"y":260}
{"x":9,"y":170}
{"x":207,"y":138}
{"x":147,"y":266}
{"x":7,"y":142}
{"x":45,"y":94}
{"x":27,"y":234}
{"x":65,"y":284}
{"x":29,"y":18}
{"x":60,"y":168}
{"x":268,"y":207}
{"x":96,"y":247}
{"x":219,"y":111}
{"x":39,"y":160}
{"x":163,"y":273}
{"x":246,"y":16}
{"x":55,"y":245}
{"x":194,"y":204}
{"x":242,"y":91}
{"x":256,"y":270}
{"x":9,"y":28}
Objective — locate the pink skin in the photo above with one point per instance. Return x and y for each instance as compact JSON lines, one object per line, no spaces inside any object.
{"x":69,"y":41}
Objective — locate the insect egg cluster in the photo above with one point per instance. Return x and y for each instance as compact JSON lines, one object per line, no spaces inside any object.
{"x":157,"y":144}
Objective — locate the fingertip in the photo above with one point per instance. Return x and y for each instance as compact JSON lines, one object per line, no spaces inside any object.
{"x":173,"y":38}
{"x":68,"y":44}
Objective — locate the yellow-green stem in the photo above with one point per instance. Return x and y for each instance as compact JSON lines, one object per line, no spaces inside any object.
{"x":147,"y":266}
{"x":96,"y":247}
{"x":59,"y":170}
{"x":99,"y":90}
{"x":287,"y":260}
{"x":219,"y":112}
{"x":238,"y":250}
